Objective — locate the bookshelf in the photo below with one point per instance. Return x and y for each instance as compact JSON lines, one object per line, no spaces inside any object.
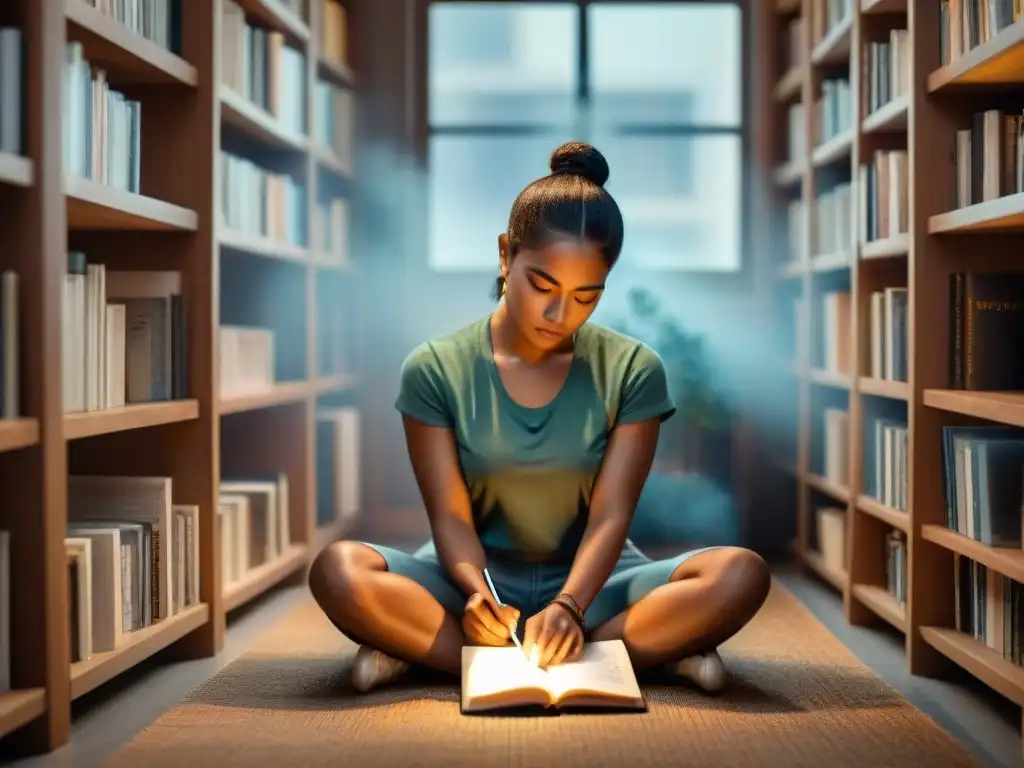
{"x":113,"y":134}
{"x":873,"y":338}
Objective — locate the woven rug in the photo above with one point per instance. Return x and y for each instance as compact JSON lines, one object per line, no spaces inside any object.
{"x":797,"y":697}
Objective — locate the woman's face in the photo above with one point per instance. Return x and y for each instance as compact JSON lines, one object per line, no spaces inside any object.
{"x":552,"y":291}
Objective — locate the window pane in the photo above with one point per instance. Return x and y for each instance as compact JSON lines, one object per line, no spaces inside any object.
{"x":473,"y":182}
{"x":658,"y":63}
{"x":502,"y":63}
{"x":680,"y":198}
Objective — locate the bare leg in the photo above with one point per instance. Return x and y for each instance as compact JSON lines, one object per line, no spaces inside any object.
{"x":710,"y":597}
{"x":391,"y":613}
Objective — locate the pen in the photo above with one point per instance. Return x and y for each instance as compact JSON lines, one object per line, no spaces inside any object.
{"x":494,"y":593}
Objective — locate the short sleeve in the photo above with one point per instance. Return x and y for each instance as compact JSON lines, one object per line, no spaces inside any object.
{"x":422,"y":391}
{"x":645,"y":392}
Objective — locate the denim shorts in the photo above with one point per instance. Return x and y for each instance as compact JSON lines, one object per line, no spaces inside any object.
{"x":529,"y":587}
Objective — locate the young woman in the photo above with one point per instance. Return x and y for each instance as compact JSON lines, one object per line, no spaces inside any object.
{"x":531,"y":434}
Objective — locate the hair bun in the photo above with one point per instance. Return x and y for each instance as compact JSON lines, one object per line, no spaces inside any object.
{"x":580,"y":159}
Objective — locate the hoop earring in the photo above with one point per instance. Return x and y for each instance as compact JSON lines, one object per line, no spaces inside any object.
{"x":504,"y":286}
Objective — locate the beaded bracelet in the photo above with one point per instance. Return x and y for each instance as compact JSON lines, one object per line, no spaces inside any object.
{"x":568,"y":602}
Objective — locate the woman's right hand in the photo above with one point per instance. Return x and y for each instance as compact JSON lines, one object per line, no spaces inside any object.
{"x":484,"y":622}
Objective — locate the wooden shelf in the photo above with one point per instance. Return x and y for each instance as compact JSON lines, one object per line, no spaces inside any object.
{"x":335,"y":382}
{"x":255,"y":122}
{"x":263,"y":577}
{"x":981,"y":661}
{"x":793,"y":270}
{"x":893,"y":517}
{"x":137,"y":646}
{"x":1004,"y":560}
{"x":998,"y":61}
{"x":18,"y":433}
{"x":889,"y":248}
{"x":331,"y":162}
{"x":15,"y":170}
{"x":883,"y":6}
{"x":788,"y":87}
{"x":830,"y":262}
{"x":20,"y":707}
{"x":889,"y":118}
{"x":835,"y":46}
{"x":829,"y":488}
{"x":831,"y":378}
{"x":100,"y":207}
{"x":336,"y":73}
{"x":257,"y":245}
{"x":894,"y":390}
{"x":882,"y":604}
{"x":816,"y":563}
{"x":129,"y":56}
{"x":1002,"y":215}
{"x":999,"y":407}
{"x":275,"y":16}
{"x":789,"y":174}
{"x":835,"y":149}
{"x":138,"y":416}
{"x":281,"y":394}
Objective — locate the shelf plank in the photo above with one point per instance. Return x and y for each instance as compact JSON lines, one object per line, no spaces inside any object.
{"x":793,"y":269}
{"x":335,"y":382}
{"x":893,"y":517}
{"x":326,"y":158}
{"x":831,"y":378}
{"x":882,"y":603}
{"x":816,"y":563}
{"x":883,"y":6}
{"x":18,"y":433}
{"x":242,"y":114}
{"x":20,"y":707}
{"x":258,"y":245}
{"x":128,"y":55}
{"x":1005,"y":560}
{"x":889,"y":118}
{"x":833,"y":150}
{"x":1001,"y":215}
{"x":261,"y":578}
{"x":829,"y":488}
{"x":834,"y":48}
{"x":135,"y":416}
{"x":887,"y":248}
{"x":280,"y":394}
{"x":894,"y":390}
{"x":271,"y":13}
{"x":789,"y":84}
{"x":15,"y":170}
{"x":830,"y":262}
{"x":790,"y":173}
{"x":978,"y":659}
{"x":336,"y":72}
{"x":999,"y":407}
{"x":136,"y":646}
{"x":1000,"y":60}
{"x":101,"y":207}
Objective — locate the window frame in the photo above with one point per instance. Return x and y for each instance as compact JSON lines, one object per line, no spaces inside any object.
{"x":742,"y":274}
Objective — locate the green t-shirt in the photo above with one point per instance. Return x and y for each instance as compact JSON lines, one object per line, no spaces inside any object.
{"x":530,"y":471}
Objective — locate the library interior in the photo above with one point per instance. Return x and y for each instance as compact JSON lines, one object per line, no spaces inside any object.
{"x":349,"y":213}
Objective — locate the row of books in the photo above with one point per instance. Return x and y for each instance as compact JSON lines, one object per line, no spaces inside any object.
{"x":835,"y":344}
{"x":988,"y":607}
{"x":888,"y":327}
{"x":338,"y":494}
{"x":254,"y":525}
{"x":884,"y":195}
{"x":247,"y":360}
{"x":986,"y":315}
{"x":333,"y":325}
{"x":257,"y":201}
{"x":258,"y":64}
{"x":156,"y":20}
{"x":12,"y":103}
{"x":835,"y":445}
{"x":134,"y":558}
{"x":826,"y":15}
{"x":331,"y":231}
{"x":796,"y":140}
{"x":333,"y":32}
{"x":796,"y":215}
{"x":833,"y":225}
{"x":990,"y":157}
{"x":794,"y":42}
{"x":896,"y":566}
{"x":835,"y":108}
{"x":966,"y":24}
{"x":886,"y":70}
{"x":983,"y":468}
{"x":124,"y":336}
{"x":102,"y":127}
{"x":830,"y":528}
{"x":885,"y":461}
{"x":334,"y":120}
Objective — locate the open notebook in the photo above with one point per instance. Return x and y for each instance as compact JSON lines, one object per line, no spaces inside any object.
{"x":499,"y":678}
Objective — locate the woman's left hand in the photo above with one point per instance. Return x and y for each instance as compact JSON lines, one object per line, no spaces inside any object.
{"x":552,"y":637}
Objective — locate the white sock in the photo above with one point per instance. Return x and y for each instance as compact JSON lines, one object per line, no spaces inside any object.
{"x":372,"y":668}
{"x":706,"y":670}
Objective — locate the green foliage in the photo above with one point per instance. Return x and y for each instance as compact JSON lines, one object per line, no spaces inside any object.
{"x":690,"y":376}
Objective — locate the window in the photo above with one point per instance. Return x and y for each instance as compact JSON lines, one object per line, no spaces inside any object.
{"x":654,"y":86}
